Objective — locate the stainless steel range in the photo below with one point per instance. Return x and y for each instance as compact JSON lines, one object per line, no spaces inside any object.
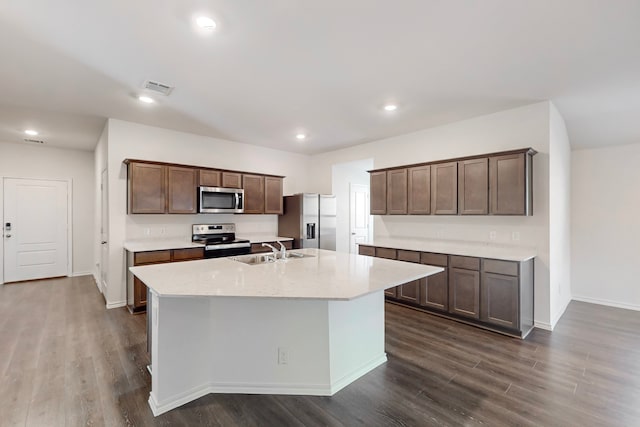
{"x":219,"y":240}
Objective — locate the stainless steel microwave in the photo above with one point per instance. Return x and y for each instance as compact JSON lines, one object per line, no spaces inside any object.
{"x":220,"y":200}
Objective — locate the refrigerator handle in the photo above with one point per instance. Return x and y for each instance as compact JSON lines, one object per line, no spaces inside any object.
{"x":311,"y":230}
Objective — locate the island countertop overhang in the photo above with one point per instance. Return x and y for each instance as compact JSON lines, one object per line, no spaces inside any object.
{"x":326,"y":275}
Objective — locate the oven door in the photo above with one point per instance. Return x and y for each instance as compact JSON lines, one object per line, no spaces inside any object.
{"x":220,"y":200}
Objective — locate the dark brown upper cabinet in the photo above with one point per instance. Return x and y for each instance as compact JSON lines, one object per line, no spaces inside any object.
{"x":444,"y":188}
{"x":489,"y":184}
{"x":253,"y":194}
{"x":419,"y":190}
{"x":273,"y":195}
{"x":147,"y":188}
{"x":231,"y":180}
{"x":182,"y":186}
{"x":397,"y":192}
{"x":510,"y":184}
{"x":473,"y":187}
{"x":378,"y":193}
{"x":210,"y":178}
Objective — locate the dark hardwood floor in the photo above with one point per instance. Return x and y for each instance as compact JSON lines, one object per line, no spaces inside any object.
{"x":66,"y":360}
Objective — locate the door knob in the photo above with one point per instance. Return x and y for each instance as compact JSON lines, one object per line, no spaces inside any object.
{"x":103,"y":242}
{"x":7,"y":235}
{"x":353,"y":234}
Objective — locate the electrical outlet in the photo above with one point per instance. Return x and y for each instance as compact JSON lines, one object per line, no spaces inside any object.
{"x":515,"y":236}
{"x":147,"y":231}
{"x":283,"y":356}
{"x":163,"y":230}
{"x":492,"y":235}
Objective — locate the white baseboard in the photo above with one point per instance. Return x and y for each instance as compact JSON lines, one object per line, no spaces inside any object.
{"x":609,"y":303}
{"x":116,"y":304}
{"x":245,"y":388}
{"x":81,"y":273}
{"x":543,"y":325}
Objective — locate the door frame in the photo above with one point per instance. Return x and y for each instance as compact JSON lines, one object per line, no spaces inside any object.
{"x":351,"y":213}
{"x":69,"y":182}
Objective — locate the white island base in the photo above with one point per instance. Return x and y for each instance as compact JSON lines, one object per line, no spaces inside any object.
{"x":204,"y":345}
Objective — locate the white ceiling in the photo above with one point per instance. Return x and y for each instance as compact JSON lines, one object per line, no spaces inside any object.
{"x":326,"y":67}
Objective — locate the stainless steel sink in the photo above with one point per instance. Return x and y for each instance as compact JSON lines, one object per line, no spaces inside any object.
{"x":256,"y":259}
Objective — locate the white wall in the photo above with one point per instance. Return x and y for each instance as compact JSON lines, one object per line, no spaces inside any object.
{"x":522,"y":127}
{"x":42,"y":162}
{"x":605,"y":228}
{"x":343,"y":175}
{"x":135,"y":141}
{"x":559,"y":215}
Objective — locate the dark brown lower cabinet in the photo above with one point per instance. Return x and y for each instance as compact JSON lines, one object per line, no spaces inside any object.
{"x":499,"y":305}
{"x":464,"y":292}
{"x":434,"y":290}
{"x":136,"y":289}
{"x":409,"y":291}
{"x":489,"y":293}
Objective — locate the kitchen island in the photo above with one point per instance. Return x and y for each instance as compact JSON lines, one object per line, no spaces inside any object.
{"x":305,"y":326}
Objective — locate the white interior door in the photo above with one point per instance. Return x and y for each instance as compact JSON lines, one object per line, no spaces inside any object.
{"x":104,"y":232}
{"x":35,"y":236}
{"x":360,"y":220}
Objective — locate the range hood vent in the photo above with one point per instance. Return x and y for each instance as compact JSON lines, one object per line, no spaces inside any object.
{"x":34,"y":141}
{"x":158,"y":87}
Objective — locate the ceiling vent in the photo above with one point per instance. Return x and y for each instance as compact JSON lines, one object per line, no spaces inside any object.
{"x":158,"y":87}
{"x":34,"y":141}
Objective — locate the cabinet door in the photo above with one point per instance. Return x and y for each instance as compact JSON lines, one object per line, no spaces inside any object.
{"x":378,"y":193}
{"x":419,"y":190}
{"x":147,"y":188}
{"x":464,"y":292}
{"x":473,"y":187}
{"x":273,"y":195}
{"x":409,"y":291}
{"x":444,"y":188}
{"x":182,"y":192}
{"x":253,"y":193}
{"x":507,"y":184}
{"x":210,"y":178}
{"x":231,"y":180}
{"x":140,"y":294}
{"x":500,"y":300}
{"x":397,"y":192}
{"x":434,"y":291}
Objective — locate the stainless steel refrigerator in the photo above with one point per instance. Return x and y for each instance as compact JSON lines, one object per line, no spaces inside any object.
{"x":310,"y":219}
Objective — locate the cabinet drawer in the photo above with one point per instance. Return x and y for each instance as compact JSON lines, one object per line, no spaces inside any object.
{"x":187,"y":254}
{"x":508,"y":268}
{"x":466,"y":262}
{"x":152,"y":257}
{"x":366,"y":250}
{"x":386,"y":253}
{"x":410,"y":256}
{"x":440,"y":260}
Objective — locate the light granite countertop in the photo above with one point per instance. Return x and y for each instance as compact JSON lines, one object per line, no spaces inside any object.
{"x":474,"y":249}
{"x":144,"y":245}
{"x":326,"y":275}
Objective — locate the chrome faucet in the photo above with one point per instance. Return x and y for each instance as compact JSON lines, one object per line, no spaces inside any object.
{"x":283,"y":250}
{"x":274,"y":250}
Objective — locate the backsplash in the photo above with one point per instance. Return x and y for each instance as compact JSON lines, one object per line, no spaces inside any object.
{"x":179,"y":226}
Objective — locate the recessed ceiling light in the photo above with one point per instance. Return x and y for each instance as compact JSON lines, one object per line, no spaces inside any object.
{"x":31,"y":132}
{"x":145,"y":99}
{"x":390,"y":107}
{"x":206,"y":23}
{"x":300,"y":136}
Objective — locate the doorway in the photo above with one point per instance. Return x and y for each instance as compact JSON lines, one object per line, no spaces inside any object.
{"x":37,"y":229}
{"x":345,"y":178}
{"x":359,"y":218}
{"x":104,"y":231}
